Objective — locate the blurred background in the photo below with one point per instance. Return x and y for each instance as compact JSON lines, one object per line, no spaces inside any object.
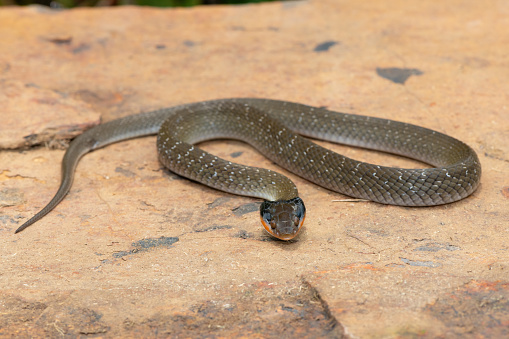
{"x":156,"y":3}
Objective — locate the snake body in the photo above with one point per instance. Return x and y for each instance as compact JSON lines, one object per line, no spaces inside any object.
{"x":274,"y":128}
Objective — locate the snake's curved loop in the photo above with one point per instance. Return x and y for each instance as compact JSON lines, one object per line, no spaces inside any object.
{"x":270,"y":126}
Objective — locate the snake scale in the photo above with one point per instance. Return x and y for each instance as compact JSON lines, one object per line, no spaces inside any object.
{"x":274,"y":128}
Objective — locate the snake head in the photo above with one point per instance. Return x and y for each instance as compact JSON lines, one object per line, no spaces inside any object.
{"x":283,"y":218}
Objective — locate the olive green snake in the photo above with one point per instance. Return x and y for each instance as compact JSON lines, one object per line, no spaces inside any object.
{"x":274,"y":128}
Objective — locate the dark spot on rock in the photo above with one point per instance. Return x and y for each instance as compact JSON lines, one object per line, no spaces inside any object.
{"x":325,"y":46}
{"x":61,"y":40}
{"x":420,"y":263}
{"x":243,"y":235}
{"x":213,"y":228}
{"x":151,"y":242}
{"x":246,"y":208}
{"x":218,"y":202}
{"x":435,"y":247}
{"x":397,"y":75}
{"x":146,"y":244}
{"x":81,"y":48}
{"x":124,"y":172}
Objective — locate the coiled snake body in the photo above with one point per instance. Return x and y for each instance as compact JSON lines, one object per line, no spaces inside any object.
{"x":272,"y":127}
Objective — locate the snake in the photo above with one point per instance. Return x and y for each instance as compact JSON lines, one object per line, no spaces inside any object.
{"x":283,"y":131}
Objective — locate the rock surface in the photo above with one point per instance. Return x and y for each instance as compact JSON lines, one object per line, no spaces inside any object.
{"x":135,"y":251}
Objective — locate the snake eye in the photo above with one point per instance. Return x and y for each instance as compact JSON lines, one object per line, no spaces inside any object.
{"x":267,"y":217}
{"x":295,"y":221}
